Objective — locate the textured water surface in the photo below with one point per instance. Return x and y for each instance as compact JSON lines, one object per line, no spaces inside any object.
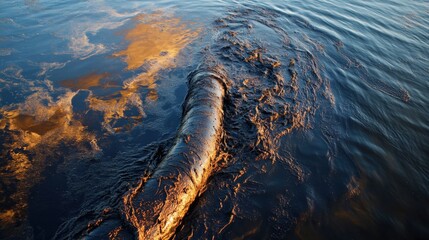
{"x":324,"y":132}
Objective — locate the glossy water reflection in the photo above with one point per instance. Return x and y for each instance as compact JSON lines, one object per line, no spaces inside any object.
{"x":45,"y":121}
{"x":325,"y":129}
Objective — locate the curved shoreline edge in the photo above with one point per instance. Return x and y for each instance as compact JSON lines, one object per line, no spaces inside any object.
{"x":156,"y":207}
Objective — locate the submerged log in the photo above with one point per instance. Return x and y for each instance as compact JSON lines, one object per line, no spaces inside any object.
{"x":156,"y":207}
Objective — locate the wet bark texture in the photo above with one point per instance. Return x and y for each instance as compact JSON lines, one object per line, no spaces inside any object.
{"x":157,"y":206}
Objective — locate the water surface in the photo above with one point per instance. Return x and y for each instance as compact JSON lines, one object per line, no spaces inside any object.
{"x":325,"y":127}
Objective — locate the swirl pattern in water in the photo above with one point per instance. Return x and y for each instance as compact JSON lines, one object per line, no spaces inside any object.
{"x":214,"y":120}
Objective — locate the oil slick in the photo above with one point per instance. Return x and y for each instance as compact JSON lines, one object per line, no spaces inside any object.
{"x":85,"y":82}
{"x":154,"y":44}
{"x":156,"y":39}
{"x":265,"y":101}
{"x":35,"y":130}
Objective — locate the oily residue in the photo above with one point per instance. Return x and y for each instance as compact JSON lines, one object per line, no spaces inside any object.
{"x":34,"y":132}
{"x":157,"y":208}
{"x":155,"y":40}
{"x":85,"y":82}
{"x":276,"y":89}
{"x":154,"y":44}
{"x":270,"y":95}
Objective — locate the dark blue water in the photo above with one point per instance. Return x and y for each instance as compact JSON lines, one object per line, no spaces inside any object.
{"x":349,"y":160}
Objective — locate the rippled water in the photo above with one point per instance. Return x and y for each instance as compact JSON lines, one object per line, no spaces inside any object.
{"x":325,"y":130}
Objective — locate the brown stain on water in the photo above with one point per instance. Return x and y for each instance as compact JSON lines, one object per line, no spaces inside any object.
{"x":38,"y":125}
{"x":85,"y":82}
{"x":36,"y":129}
{"x":29,"y":122}
{"x":155,"y":39}
{"x":154,"y":44}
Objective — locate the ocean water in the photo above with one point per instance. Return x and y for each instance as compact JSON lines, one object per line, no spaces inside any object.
{"x":325,"y":116}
